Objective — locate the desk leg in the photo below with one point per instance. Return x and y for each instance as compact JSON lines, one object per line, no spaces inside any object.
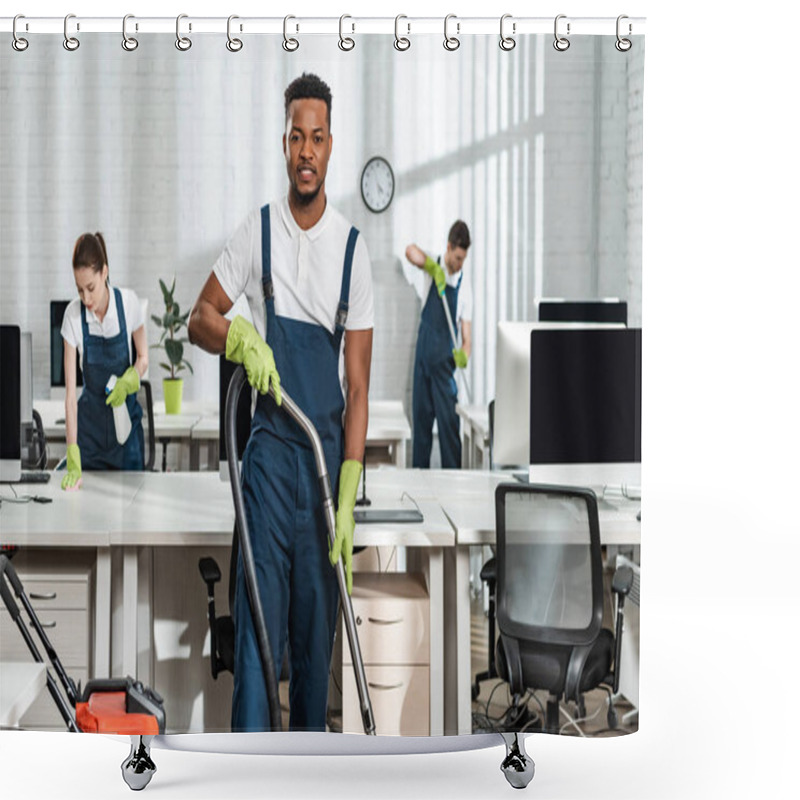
{"x":400,"y":453}
{"x":102,"y":614}
{"x":463,"y":633}
{"x":436,"y":587}
{"x":194,"y":455}
{"x":130,"y":592}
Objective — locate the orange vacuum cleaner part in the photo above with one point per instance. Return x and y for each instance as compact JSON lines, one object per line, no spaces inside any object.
{"x":105,"y":713}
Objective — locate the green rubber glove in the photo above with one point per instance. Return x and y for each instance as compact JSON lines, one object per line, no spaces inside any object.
{"x":245,"y":346}
{"x":349,"y":475}
{"x":126,"y":384}
{"x":437,"y":273}
{"x":460,"y":357}
{"x":72,"y":480}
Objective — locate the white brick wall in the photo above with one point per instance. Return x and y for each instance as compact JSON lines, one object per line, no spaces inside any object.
{"x":165,"y":152}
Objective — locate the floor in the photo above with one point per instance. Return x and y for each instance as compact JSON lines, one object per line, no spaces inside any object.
{"x":492,"y":709}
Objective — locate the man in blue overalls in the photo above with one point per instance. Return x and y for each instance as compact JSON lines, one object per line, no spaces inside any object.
{"x":305,"y":272}
{"x":435,"y":391}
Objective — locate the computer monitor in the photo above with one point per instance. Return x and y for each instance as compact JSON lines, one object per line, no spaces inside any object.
{"x":607,"y":309}
{"x":510,"y":446}
{"x":586,"y":406}
{"x":57,"y":309}
{"x":10,"y":450}
{"x":26,"y":396}
{"x":243,"y":415}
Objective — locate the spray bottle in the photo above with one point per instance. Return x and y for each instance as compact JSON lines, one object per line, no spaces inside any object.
{"x":122,"y":419}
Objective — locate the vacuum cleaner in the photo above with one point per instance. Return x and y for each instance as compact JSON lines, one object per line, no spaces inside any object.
{"x":238,"y":381}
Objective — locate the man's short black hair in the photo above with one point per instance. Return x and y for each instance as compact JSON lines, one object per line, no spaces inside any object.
{"x":308,"y":86}
{"x":459,"y":235}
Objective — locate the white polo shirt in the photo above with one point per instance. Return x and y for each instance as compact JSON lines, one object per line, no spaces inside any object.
{"x":464,"y":304}
{"x":306,"y":269}
{"x":72,"y":330}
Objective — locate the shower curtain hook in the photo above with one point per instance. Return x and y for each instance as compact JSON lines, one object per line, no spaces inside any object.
{"x":129,"y":43}
{"x":345,"y":42}
{"x":507,"y":42}
{"x":233,"y":44}
{"x":70,"y":42}
{"x":182,"y":42}
{"x":401,"y":43}
{"x":18,"y":43}
{"x":290,"y":44}
{"x":451,"y":42}
{"x":623,"y":45}
{"x":561,"y":43}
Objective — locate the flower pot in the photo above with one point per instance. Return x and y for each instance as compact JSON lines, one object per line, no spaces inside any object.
{"x":173,"y":393}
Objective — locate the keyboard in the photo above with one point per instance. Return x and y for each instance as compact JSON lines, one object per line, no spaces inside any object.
{"x":34,"y":476}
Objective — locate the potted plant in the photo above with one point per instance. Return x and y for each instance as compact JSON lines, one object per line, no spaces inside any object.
{"x":171,"y":323}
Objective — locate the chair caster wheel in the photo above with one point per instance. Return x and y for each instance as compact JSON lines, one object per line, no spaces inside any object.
{"x":138,"y":768}
{"x":517,"y":766}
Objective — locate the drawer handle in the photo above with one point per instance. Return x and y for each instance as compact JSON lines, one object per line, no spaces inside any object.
{"x":384,"y":621}
{"x":44,"y":624}
{"x":39,"y":596}
{"x":384,"y":686}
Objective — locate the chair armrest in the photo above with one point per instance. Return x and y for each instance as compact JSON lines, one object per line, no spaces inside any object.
{"x":622,"y":581}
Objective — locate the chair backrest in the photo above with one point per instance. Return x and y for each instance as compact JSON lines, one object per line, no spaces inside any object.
{"x":549,"y":564}
{"x":145,"y":398}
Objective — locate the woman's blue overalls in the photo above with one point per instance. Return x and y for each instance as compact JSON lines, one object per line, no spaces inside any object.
{"x":298,"y":585}
{"x":97,"y":437}
{"x":435,"y":391}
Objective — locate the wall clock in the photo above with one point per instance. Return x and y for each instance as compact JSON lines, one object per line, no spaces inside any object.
{"x":377,"y":184}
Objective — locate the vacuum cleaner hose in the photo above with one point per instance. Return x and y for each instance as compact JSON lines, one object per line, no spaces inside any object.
{"x":256,"y":609}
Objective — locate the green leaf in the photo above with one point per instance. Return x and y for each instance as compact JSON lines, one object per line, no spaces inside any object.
{"x":174,"y":350}
{"x":176,"y":310}
{"x":186,"y":363}
{"x":156,"y":319}
{"x":167,"y":367}
{"x":167,"y":294}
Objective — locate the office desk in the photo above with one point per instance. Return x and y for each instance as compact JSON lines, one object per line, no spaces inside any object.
{"x":198,"y":425}
{"x":80,"y":519}
{"x":472,"y":515}
{"x":196,"y":509}
{"x":388,"y":430}
{"x":474,"y":436}
{"x":20,"y":684}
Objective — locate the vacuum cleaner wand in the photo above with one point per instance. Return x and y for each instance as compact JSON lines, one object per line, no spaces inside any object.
{"x":294,"y":411}
{"x":238,"y":380}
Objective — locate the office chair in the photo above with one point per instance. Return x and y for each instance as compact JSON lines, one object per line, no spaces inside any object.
{"x":488,"y":575}
{"x":35,"y":457}
{"x":222,"y":628}
{"x":550,"y":598}
{"x":146,"y":394}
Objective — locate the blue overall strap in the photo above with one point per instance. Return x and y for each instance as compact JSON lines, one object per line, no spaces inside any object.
{"x":123,"y":325}
{"x":344,"y":295}
{"x":266,"y":257}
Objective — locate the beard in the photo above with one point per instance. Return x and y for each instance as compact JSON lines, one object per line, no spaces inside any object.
{"x":305,"y":199}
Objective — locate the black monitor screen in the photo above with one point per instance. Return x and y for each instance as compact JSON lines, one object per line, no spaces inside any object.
{"x":583,"y":311}
{"x":226,"y":370}
{"x":9,"y":393}
{"x":57,"y":309}
{"x":586,"y":396}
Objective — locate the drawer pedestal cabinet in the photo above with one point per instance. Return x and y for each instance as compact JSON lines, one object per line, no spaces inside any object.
{"x":59,"y":586}
{"x":392,"y":613}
